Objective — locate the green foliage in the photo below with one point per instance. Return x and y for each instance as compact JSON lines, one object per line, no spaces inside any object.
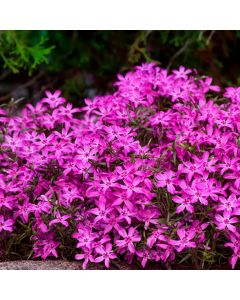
{"x":21,"y":52}
{"x":138,"y":49}
{"x":210,"y":51}
{"x":67,"y":59}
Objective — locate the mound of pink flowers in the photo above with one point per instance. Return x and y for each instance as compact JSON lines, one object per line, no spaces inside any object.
{"x":149,"y":173}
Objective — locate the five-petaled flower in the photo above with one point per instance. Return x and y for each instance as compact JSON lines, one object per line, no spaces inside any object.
{"x":6,"y":225}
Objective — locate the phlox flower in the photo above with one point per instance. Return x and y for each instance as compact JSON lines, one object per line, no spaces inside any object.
{"x":182,"y":73}
{"x":225,"y":221}
{"x":60,"y":219}
{"x":87,"y":256}
{"x":167,"y":179}
{"x":155,"y":236}
{"x":6,"y":225}
{"x":229,"y":204}
{"x":48,"y":248}
{"x":185,"y":203}
{"x":128,"y":239}
{"x":190,"y":169}
{"x":131,"y":185}
{"x":24,"y":211}
{"x":156,"y":159}
{"x":148,"y":216}
{"x":145,"y":255}
{"x":185,"y":239}
{"x":105,"y":253}
{"x":6,"y":201}
{"x":85,"y":237}
{"x":53,"y":100}
{"x":101,"y":211}
{"x":234,"y":242}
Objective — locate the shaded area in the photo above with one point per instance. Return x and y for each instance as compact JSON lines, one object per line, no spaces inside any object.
{"x":85,"y":63}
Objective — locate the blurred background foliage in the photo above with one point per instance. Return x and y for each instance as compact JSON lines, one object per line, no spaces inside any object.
{"x":85,"y":63}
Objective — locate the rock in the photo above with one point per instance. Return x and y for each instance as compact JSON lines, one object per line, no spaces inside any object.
{"x":40,"y":265}
{"x":71,"y":265}
{"x":56,"y":265}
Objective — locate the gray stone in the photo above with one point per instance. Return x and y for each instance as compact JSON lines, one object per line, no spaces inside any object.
{"x":55,"y":265}
{"x":40,"y":265}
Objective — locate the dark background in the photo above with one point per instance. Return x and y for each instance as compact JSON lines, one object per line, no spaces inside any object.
{"x":85,"y":63}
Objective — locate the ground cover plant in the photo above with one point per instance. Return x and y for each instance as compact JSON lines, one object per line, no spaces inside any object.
{"x":150,"y":173}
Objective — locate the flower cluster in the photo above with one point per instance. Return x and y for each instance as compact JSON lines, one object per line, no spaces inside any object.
{"x":149,"y":173}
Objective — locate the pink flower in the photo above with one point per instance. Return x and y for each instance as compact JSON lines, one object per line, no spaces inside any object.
{"x":197,"y":193}
{"x":111,"y":222}
{"x":86,"y":256}
{"x":149,"y":217}
{"x":206,"y":85}
{"x":182,"y":73}
{"x":102,"y":211}
{"x":190,"y":169}
{"x":53,"y":99}
{"x":109,"y":182}
{"x":145,"y":255}
{"x":66,"y":112}
{"x":60,"y":219}
{"x":234,"y":258}
{"x":228,"y":164}
{"x":115,"y":172}
{"x":166,"y":179}
{"x":234,"y":242}
{"x":43,"y":206}
{"x":156,"y":235}
{"x":6,"y":201}
{"x":185,"y":203}
{"x":132,"y":186}
{"x":24,"y":211}
{"x":85,"y":238}
{"x":49,"y":249}
{"x":225,"y":221}
{"x":229,"y":204}
{"x":185,"y":240}
{"x":105,"y":254}
{"x":128,"y":239}
{"x":6,"y":225}
{"x":125,"y":214}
